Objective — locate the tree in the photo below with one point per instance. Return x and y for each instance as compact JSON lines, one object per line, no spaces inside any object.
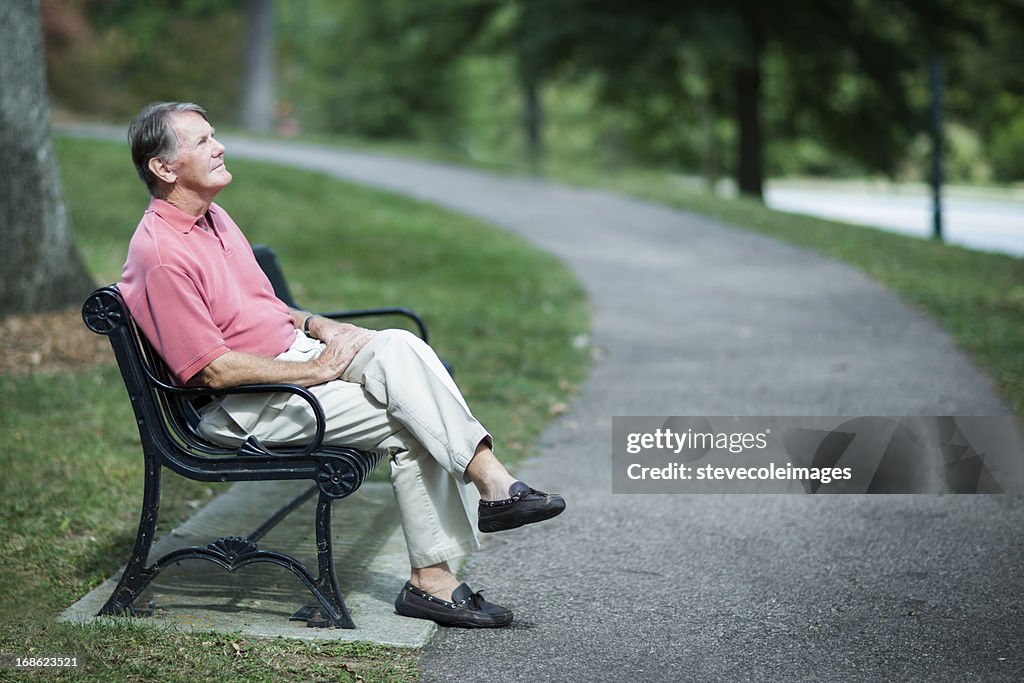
{"x":847,"y":75}
{"x":108,"y":58}
{"x":382,"y":68}
{"x":258,"y":102}
{"x":986,"y":87}
{"x":40,"y":268}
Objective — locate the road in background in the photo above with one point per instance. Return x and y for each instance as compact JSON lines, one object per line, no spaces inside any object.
{"x":984,"y":223}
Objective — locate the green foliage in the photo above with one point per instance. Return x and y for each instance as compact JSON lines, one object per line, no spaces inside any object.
{"x":108,"y":59}
{"x":986,"y":86}
{"x":379,"y":68}
{"x":1007,"y":142}
{"x":833,"y":72}
{"x":964,"y":157}
{"x":844,"y":87}
{"x":71,"y":466}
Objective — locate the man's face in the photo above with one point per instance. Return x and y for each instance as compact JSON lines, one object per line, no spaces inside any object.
{"x":199,"y":165}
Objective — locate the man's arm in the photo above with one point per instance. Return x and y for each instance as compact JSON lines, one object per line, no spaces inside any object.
{"x":320,"y":327}
{"x":235,"y":367}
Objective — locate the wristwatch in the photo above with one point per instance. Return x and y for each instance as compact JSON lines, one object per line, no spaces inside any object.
{"x":305,"y":325}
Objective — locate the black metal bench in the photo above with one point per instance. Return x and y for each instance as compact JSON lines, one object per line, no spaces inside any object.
{"x":167,"y":422}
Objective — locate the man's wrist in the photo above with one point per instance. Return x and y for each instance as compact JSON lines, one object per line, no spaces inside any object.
{"x":305,"y":325}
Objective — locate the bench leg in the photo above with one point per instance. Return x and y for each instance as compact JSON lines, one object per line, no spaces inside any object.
{"x":335,"y":611}
{"x":231,"y":553}
{"x":136,"y":574}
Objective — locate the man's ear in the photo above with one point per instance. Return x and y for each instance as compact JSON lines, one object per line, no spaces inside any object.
{"x":159,"y":168}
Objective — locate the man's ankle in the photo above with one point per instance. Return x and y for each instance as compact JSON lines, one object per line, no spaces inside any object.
{"x":435,"y":581}
{"x":497,"y":490}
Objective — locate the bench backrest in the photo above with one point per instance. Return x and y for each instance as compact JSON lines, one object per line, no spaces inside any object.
{"x":160,"y":410}
{"x":267,"y":259}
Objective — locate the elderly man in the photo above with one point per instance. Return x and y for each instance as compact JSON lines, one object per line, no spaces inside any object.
{"x":196,"y":291}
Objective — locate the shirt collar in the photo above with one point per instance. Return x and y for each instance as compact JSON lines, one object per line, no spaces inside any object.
{"x":175,"y":217}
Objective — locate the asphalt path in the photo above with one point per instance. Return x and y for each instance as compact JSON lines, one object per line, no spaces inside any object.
{"x":692,"y":317}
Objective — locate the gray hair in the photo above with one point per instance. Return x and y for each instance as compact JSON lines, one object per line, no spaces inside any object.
{"x":151,"y":137}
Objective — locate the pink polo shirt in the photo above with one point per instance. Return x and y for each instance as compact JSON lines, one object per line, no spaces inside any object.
{"x":198,"y":294}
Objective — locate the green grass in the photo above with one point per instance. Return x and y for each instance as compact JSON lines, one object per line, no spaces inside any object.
{"x":70,"y":469}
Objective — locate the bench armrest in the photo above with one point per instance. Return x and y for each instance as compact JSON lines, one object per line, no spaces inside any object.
{"x":378,"y":312}
{"x":252,"y":446}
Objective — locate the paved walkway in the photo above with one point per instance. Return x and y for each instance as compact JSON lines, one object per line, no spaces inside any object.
{"x":695,"y":318}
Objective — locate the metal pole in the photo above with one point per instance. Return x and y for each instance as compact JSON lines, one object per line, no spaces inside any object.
{"x":936,"y":180}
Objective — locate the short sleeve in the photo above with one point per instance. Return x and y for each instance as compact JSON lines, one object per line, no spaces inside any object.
{"x":179,"y":322}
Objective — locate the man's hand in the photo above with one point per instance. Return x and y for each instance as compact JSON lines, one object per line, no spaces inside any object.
{"x":326,"y":329}
{"x":234,"y":367}
{"x":343,"y":342}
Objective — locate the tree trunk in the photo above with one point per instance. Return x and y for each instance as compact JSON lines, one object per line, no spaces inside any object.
{"x":533,"y":124}
{"x":40,"y":268}
{"x":258,"y":102}
{"x":747,"y":79}
{"x":709,"y":162}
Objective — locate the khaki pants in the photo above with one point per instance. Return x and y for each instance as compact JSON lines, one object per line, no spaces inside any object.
{"x":397,"y":395}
